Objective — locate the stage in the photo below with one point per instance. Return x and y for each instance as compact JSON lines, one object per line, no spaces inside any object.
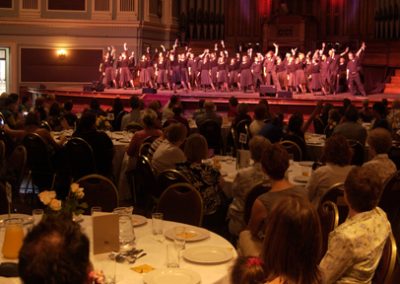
{"x":304,"y":103}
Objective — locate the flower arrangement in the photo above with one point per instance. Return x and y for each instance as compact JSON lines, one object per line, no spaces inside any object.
{"x":102,"y":123}
{"x":69,"y":206}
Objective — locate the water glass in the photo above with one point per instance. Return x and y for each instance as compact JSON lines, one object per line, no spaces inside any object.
{"x":172,"y":256}
{"x":13,"y":238}
{"x":157,"y":223}
{"x":126,"y":233}
{"x":180,"y":239}
{"x":37,"y":215}
{"x":95,"y":209}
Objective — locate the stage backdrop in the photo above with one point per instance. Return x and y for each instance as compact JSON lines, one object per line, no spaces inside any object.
{"x":45,"y":65}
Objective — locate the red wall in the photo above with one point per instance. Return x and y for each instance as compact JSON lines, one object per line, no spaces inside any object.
{"x":44,"y":65}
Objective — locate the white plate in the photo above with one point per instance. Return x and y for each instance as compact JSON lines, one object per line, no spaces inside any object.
{"x":138,"y":220}
{"x":301,"y":178}
{"x":208,"y":254}
{"x":190,"y":234}
{"x":27,"y":219}
{"x":172,"y":276}
{"x":306,"y":163}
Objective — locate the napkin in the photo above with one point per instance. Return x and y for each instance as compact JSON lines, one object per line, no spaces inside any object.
{"x":144,"y":268}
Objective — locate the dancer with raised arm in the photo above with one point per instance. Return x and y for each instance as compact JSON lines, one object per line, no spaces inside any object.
{"x":125,"y":76}
{"x":333,"y":60}
{"x":353,"y":72}
{"x":270,"y":72}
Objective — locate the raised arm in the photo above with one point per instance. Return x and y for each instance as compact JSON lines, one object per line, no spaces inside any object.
{"x":362,"y":48}
{"x":310,"y":119}
{"x":344,"y":52}
{"x":276,"y":49}
{"x":322,"y":49}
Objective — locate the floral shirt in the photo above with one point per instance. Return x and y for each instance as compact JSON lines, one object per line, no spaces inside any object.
{"x":205,"y":179}
{"x":355,"y":248}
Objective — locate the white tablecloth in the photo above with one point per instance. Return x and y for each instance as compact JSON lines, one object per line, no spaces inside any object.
{"x":156,"y":256}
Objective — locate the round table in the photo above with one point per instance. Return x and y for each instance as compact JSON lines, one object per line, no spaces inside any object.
{"x":156,"y":255}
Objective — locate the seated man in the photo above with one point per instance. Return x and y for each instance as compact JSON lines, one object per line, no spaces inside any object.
{"x":355,"y":247}
{"x":380,"y":142}
{"x":55,"y":251}
{"x":209,"y":114}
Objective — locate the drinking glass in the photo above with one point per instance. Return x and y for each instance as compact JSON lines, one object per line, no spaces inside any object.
{"x":37,"y":215}
{"x":14,"y":235}
{"x":126,"y":233}
{"x":157,"y":225}
{"x":172,"y":256}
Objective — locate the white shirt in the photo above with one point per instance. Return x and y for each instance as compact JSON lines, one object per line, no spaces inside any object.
{"x":167,"y":156}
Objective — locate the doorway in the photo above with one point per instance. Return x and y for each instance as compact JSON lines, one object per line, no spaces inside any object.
{"x":4,"y":70}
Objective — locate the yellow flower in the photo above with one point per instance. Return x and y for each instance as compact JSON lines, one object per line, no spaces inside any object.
{"x":75,"y":187}
{"x":80,"y":194}
{"x":55,"y":204}
{"x":47,"y":196}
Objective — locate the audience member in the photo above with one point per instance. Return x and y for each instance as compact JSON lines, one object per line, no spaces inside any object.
{"x":244,"y":181}
{"x":248,"y":270}
{"x":295,"y":133}
{"x":232,"y":107}
{"x":54,"y":118}
{"x":209,"y":114}
{"x":366,"y":114}
{"x":380,"y":121}
{"x":355,"y":247}
{"x":200,"y":109}
{"x":292,"y":243}
{"x":68,"y":115}
{"x":96,"y":109}
{"x":275,"y":162}
{"x":258,"y":123}
{"x":394,"y":116}
{"x":134,"y":115}
{"x":273,"y":130}
{"x":204,"y":177}
{"x":178,"y":116}
{"x":350,"y":128}
{"x":333,"y":120}
{"x":55,"y":251}
{"x":40,"y":108}
{"x":99,"y":141}
{"x":380,"y":142}
{"x":167,"y":112}
{"x":337,"y":156}
{"x":117,"y":109}
{"x":242,"y":114}
{"x":10,"y":111}
{"x":151,"y":124}
{"x":168,"y":153}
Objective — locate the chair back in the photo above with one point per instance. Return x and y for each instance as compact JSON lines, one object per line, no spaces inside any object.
{"x":79,"y":158}
{"x":243,"y":133}
{"x":44,"y":124}
{"x":182,"y":203}
{"x":336,"y":195}
{"x":293,"y":149}
{"x":170,"y":177}
{"x":118,"y":120}
{"x":150,"y":139}
{"x":329,"y":218}
{"x":145,"y":178}
{"x":144,"y":149}
{"x":319,"y":126}
{"x":384,"y":271}
{"x":358,"y":152}
{"x":133,"y":127}
{"x":211,"y":130}
{"x":99,"y":191}
{"x":253,"y":194}
{"x":390,"y":200}
{"x":16,"y":167}
{"x":39,"y":161}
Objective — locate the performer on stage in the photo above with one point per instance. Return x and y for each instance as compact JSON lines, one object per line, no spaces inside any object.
{"x":291,"y":73}
{"x":161,"y":72}
{"x":256,"y":71}
{"x":246,"y":81}
{"x":108,"y":66}
{"x":324,"y":73}
{"x":142,"y":72}
{"x":150,"y":67}
{"x":270,"y":68}
{"x":205,"y":75}
{"x":174,"y":71}
{"x":341,"y":82}
{"x":280,"y":69}
{"x":222,"y":74}
{"x":193,"y":70}
{"x":315,"y":84}
{"x":132,"y":64}
{"x":300,"y":76}
{"x":124,"y":73}
{"x":353,"y":72}
{"x":333,"y":60}
{"x":184,"y":73}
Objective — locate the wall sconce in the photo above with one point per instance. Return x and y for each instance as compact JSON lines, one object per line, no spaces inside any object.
{"x":61,"y":53}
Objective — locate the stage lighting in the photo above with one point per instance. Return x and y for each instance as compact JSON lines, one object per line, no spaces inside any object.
{"x":61,"y":53}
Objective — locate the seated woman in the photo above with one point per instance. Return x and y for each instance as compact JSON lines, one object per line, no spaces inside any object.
{"x":295,"y":133}
{"x":244,"y":181}
{"x":101,"y":144}
{"x":151,"y":124}
{"x":168,"y":154}
{"x":203,"y":177}
{"x":292,"y":243}
{"x":337,"y":157}
{"x":275,"y":162}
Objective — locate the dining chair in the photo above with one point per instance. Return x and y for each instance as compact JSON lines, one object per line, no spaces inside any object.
{"x":144,"y":149}
{"x":41,"y":172}
{"x":182,"y":203}
{"x":16,"y":168}
{"x":211,"y":130}
{"x":145,"y":187}
{"x":293,"y":149}
{"x":253,"y":194}
{"x":358,"y":152}
{"x":169,"y":177}
{"x":118,"y":120}
{"x":335,"y":194}
{"x":44,"y":124}
{"x":384,"y":271}
{"x":99,"y":191}
{"x":319,"y":126}
{"x":329,"y":217}
{"x":79,"y":158}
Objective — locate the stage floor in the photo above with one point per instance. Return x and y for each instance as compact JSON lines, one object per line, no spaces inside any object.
{"x":299,"y":102}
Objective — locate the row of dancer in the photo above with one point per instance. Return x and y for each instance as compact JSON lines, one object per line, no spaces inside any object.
{"x":216,"y":69}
